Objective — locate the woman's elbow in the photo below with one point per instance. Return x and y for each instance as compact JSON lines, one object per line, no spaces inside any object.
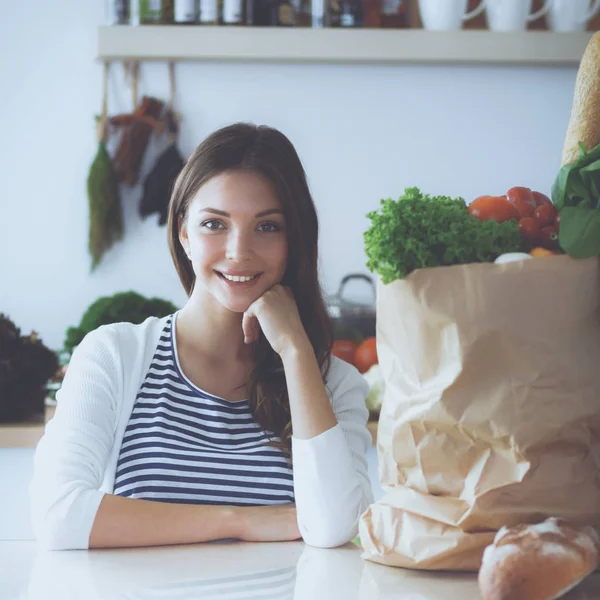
{"x":333,"y":530}
{"x":65,"y":523}
{"x":331,"y":535}
{"x":51,"y":534}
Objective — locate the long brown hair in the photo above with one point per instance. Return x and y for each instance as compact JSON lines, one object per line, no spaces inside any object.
{"x":266,"y":151}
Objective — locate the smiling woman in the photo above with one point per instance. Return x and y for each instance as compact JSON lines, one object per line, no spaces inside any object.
{"x":229,"y":418}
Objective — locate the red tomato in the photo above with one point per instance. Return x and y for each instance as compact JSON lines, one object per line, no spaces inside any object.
{"x":366,"y":355}
{"x":557,"y":220}
{"x":494,"y":208}
{"x":345,"y":349}
{"x":549,"y":238}
{"x":522,"y":199}
{"x":545,"y":215}
{"x":541,"y":199}
{"x":530,"y":229}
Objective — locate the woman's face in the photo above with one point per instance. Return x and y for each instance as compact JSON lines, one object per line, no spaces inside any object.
{"x":235,"y":237}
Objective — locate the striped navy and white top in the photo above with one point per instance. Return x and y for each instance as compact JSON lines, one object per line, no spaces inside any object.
{"x":184,"y":445}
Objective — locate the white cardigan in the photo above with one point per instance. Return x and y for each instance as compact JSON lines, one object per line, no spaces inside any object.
{"x":75,"y":461}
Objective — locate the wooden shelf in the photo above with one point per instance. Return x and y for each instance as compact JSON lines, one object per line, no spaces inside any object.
{"x":358,"y":46}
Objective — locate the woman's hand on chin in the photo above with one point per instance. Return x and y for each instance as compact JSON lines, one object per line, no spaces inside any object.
{"x":276,"y":314}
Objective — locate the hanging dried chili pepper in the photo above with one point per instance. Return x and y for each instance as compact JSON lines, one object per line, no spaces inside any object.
{"x":136,"y":130}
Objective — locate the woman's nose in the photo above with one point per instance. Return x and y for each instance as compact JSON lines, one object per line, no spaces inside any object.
{"x":239,"y":246}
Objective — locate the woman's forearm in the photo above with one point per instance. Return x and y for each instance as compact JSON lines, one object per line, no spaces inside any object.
{"x":128,"y":522}
{"x":310,"y":407}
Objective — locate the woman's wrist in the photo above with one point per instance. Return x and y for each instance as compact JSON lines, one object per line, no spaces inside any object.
{"x":296,"y":349}
{"x":235,"y":518}
{"x":230,"y":521}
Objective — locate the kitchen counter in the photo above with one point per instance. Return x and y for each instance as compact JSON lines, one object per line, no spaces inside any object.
{"x":227,"y":571}
{"x":223,"y":570}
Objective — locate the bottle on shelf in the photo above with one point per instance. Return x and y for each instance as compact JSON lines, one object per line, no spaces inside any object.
{"x":168,"y":12}
{"x":347,"y":13}
{"x":319,"y":12}
{"x":209,"y":12}
{"x":117,"y":12}
{"x":394,"y":14}
{"x":258,"y":13}
{"x":302,"y":9}
{"x":283,"y":13}
{"x":372,"y":9}
{"x":233,"y":12}
{"x":150,"y":12}
{"x":185,"y":12}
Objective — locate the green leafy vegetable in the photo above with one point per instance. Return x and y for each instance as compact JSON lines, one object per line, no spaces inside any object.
{"x":129,"y":307}
{"x":418,"y":231}
{"x":576,"y":193}
{"x":579,"y":233}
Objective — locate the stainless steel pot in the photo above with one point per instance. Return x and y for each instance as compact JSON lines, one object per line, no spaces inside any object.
{"x":352,"y":320}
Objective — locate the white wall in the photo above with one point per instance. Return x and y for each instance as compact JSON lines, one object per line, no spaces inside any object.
{"x":363,"y":133}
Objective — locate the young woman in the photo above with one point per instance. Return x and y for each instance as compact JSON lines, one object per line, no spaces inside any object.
{"x":230,"y":418}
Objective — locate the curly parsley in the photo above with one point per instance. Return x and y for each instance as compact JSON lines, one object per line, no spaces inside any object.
{"x":418,"y":231}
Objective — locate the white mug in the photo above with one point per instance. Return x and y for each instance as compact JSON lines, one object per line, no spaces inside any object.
{"x":571,"y":15}
{"x":444,"y":15}
{"x":512,"y":15}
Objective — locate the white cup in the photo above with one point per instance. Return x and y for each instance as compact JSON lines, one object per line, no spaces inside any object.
{"x":512,"y":15}
{"x":571,"y":15}
{"x":444,"y":15}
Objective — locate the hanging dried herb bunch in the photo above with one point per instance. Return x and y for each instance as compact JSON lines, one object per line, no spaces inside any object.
{"x":106,"y":214}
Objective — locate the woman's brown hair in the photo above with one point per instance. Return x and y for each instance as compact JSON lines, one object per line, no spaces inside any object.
{"x":264,"y":150}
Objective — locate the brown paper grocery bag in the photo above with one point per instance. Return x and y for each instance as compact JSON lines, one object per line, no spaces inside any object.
{"x":491,"y":413}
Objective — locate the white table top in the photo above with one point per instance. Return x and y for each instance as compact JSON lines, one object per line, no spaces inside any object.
{"x":227,"y":571}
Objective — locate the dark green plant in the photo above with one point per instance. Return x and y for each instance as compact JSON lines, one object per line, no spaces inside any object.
{"x":26,"y":365}
{"x":128,"y":307}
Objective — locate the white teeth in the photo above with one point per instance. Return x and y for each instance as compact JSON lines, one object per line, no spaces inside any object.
{"x":237,"y":278}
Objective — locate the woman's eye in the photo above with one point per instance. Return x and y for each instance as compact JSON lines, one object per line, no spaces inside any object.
{"x":269,"y":226}
{"x":212,"y":224}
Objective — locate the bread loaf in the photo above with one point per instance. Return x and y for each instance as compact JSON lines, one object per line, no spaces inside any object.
{"x":584,"y":125}
{"x":538,"y":562}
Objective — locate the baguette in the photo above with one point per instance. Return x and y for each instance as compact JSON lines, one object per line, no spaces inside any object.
{"x":584,"y":124}
{"x":538,"y":562}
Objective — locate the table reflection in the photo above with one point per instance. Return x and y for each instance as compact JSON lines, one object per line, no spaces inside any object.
{"x":282,"y":571}
{"x":236,"y":571}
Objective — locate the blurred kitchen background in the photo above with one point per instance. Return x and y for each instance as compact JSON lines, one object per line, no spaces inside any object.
{"x":364,"y":131}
